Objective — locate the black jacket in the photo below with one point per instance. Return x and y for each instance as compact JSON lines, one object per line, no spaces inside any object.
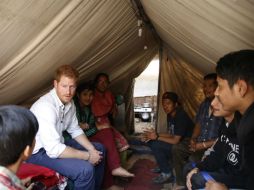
{"x":226,"y":152}
{"x":245,"y":133}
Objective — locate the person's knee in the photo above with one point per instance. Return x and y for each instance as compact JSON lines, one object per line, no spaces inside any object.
{"x":175,"y":149}
{"x":85,"y":173}
{"x":154,"y":145}
{"x":197,"y":181}
{"x":187,"y":168}
{"x":100,"y":147}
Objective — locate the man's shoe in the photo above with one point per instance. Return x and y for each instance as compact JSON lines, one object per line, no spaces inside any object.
{"x":156,"y":170}
{"x":163,"y":178}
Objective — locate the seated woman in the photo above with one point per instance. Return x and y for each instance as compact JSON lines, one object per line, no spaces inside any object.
{"x":105,"y":136}
{"x":222,"y":162}
{"x":105,"y":110}
{"x":179,"y":127}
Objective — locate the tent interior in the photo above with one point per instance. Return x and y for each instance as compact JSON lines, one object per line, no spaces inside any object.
{"x":119,"y":38}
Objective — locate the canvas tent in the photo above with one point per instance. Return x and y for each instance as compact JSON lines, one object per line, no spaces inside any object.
{"x":36,"y":36}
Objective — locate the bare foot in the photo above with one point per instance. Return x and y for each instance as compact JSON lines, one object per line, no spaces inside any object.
{"x":115,"y":187}
{"x":121,"y":172}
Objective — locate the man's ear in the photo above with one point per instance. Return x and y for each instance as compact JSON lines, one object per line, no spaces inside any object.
{"x":27,"y":152}
{"x":242,"y":87}
{"x":55,"y":83}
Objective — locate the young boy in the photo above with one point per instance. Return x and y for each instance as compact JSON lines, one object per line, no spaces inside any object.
{"x":18,"y":127}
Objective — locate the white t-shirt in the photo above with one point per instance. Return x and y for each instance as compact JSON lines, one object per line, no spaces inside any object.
{"x":54,"y":117}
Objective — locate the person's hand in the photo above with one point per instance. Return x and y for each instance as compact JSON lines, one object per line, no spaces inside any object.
{"x":213,"y":185}
{"x":26,"y":181}
{"x":84,"y":125}
{"x":192,"y":145}
{"x":143,"y":137}
{"x":199,"y":146}
{"x":95,"y":156}
{"x":188,"y":178}
{"x":150,"y":134}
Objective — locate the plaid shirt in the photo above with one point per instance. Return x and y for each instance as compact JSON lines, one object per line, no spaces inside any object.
{"x":9,"y":181}
{"x":85,"y":115}
{"x":209,"y":123}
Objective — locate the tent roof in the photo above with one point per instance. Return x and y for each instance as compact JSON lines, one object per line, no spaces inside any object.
{"x":94,"y":36}
{"x":102,"y":36}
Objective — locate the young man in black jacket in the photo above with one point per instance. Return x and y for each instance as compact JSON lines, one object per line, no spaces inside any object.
{"x":223,"y":162}
{"x":236,"y":93}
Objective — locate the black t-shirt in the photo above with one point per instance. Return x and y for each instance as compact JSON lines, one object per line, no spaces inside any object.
{"x":245,"y":134}
{"x":181,"y":124}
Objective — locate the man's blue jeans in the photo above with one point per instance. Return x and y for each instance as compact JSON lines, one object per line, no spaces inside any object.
{"x":162,"y":153}
{"x":83,"y":174}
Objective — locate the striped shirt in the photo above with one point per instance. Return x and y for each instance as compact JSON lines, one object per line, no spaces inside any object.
{"x":9,"y":181}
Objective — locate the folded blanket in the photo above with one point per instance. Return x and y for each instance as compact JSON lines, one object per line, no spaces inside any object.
{"x":38,"y":173}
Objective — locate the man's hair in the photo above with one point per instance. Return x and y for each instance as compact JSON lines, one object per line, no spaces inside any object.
{"x":99,"y":75}
{"x":170,"y":96}
{"x":210,"y":76}
{"x":66,"y":70}
{"x":237,"y":65}
{"x":18,"y":127}
{"x":85,"y":86}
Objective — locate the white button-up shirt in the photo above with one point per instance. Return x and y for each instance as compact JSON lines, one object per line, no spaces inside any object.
{"x":54,"y":117}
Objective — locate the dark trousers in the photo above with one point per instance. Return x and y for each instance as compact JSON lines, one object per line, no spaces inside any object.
{"x":82,"y":173}
{"x":181,"y":155}
{"x":162,"y":153}
{"x":230,"y":180}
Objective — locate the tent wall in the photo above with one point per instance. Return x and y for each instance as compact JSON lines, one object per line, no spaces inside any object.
{"x":178,"y":76}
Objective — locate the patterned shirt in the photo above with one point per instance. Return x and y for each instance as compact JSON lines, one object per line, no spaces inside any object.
{"x":85,"y":115}
{"x":9,"y":181}
{"x":208,"y":122}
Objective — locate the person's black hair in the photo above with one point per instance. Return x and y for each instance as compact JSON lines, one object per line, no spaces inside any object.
{"x":210,"y":76}
{"x":237,"y":65}
{"x":171,"y":96}
{"x":96,"y":79}
{"x":18,"y":127}
{"x":85,"y":86}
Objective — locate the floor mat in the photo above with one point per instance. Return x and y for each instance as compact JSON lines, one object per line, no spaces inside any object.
{"x":143,"y":176}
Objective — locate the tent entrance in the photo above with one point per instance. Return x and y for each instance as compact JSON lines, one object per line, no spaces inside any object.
{"x":145,"y":97}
